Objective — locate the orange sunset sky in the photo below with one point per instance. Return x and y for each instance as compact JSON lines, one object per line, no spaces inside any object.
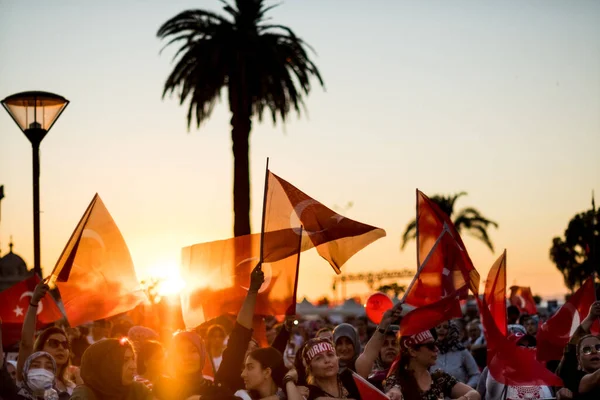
{"x":499,"y":99}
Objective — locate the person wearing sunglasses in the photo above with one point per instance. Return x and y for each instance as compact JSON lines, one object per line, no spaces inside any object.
{"x":52,"y":340}
{"x":586,"y":384}
{"x":569,"y":368}
{"x":410,"y":379}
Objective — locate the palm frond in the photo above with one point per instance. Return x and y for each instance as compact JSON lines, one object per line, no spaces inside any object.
{"x":409,"y":234}
{"x":480,"y":232}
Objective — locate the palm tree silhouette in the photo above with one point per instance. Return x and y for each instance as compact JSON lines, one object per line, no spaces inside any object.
{"x":467,"y":220}
{"x":262,"y":65}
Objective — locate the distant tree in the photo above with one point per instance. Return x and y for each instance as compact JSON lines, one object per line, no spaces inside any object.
{"x":574,"y":255}
{"x":467,"y":220}
{"x":538,"y":299}
{"x":394,"y":288}
{"x":323,"y":301}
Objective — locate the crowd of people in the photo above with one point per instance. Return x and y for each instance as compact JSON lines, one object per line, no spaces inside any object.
{"x":309,"y":360}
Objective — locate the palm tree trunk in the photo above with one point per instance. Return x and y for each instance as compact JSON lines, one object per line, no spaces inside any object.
{"x":241,"y":125}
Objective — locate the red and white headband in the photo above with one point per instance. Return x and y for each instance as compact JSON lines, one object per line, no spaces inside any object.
{"x":318,"y":346}
{"x":417,"y":339}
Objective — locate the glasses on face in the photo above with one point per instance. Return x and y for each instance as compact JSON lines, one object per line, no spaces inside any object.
{"x":431,"y":346}
{"x":55,"y":343}
{"x":587,"y":350}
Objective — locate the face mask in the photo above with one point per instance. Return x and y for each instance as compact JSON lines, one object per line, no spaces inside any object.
{"x":39,"y":379}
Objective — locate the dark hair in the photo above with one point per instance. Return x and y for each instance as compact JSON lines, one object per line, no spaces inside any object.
{"x":269,"y":357}
{"x":146,"y":350}
{"x":299,"y":365}
{"x":40,"y":342}
{"x":215,"y":327}
{"x":524,"y":318}
{"x":514,"y":310}
{"x":406,"y":378}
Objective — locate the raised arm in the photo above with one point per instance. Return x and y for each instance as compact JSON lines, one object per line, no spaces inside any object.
{"x":26,"y":345}
{"x":233,"y":355}
{"x":289,"y":385}
{"x":283,"y":337}
{"x":592,"y":316}
{"x":246,"y":314}
{"x":568,"y":364}
{"x":589,"y":382}
{"x":364,"y":363}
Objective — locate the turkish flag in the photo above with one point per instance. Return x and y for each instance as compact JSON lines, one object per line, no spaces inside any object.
{"x":554,"y":334}
{"x":431,"y":315}
{"x":508,"y":363}
{"x":431,"y":222}
{"x":495,"y":293}
{"x":366,"y":390}
{"x":218,"y":277}
{"x":14,"y":303}
{"x":443,"y":272}
{"x":336,"y":237}
{"x":95,"y":273}
{"x":521,"y":297}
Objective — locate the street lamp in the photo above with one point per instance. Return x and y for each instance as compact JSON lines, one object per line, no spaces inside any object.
{"x":35,"y":113}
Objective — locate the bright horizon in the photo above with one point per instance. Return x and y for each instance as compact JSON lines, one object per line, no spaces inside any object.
{"x":499,"y":100}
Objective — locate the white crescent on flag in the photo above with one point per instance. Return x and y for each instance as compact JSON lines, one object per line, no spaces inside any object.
{"x":267,"y":270}
{"x":30,"y":294}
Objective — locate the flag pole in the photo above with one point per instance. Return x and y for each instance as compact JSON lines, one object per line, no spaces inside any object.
{"x":264,"y":211}
{"x":297,"y":271}
{"x":417,"y":229}
{"x":53,"y":277}
{"x":435,"y":245}
{"x":593,"y":249}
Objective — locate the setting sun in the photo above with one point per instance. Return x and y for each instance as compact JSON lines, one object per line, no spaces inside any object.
{"x":169,"y":278}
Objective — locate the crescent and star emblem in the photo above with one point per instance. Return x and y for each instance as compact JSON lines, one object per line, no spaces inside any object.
{"x":19,"y":311}
{"x":267,"y":270}
{"x":296,"y":217}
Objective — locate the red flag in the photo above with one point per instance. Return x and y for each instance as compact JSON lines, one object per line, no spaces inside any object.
{"x":430,"y":225}
{"x":521,"y":297}
{"x":95,"y":274}
{"x":510,"y":364}
{"x":554,"y":334}
{"x":366,"y":390}
{"x":495,"y":293}
{"x":218,"y":276}
{"x":442,"y":272}
{"x":14,"y":303}
{"x":336,"y":237}
{"x":431,"y":315}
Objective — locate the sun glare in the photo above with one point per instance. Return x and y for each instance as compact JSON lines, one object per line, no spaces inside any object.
{"x":170,"y":282}
{"x":170,"y":286}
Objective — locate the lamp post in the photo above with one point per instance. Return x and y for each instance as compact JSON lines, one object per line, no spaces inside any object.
{"x":35,"y":113}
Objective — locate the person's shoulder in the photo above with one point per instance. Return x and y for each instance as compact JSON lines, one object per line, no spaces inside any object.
{"x":140,"y":391}
{"x":83,"y":392}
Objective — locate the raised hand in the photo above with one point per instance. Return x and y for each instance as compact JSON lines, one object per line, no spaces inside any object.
{"x":595,"y":310}
{"x":257,"y":278}
{"x":38,"y":294}
{"x":392,"y":315}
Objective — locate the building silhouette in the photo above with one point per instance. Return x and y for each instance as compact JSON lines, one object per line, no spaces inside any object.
{"x":13,"y":268}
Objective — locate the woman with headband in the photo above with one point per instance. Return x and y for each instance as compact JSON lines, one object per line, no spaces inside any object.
{"x":322,"y":367}
{"x":410,"y":378}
